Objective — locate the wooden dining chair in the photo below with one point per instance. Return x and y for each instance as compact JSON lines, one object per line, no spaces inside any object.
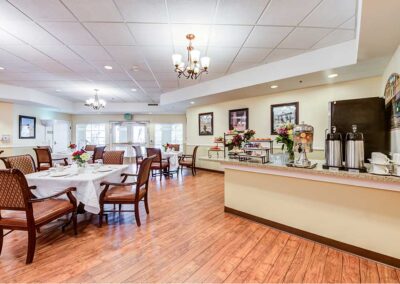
{"x":19,"y":210}
{"x":138,"y":156}
{"x":24,"y":163}
{"x":159,"y":164}
{"x":98,"y":153}
{"x":44,"y":159}
{"x":113,"y":157}
{"x":175,"y":147}
{"x":90,"y":148}
{"x":48,"y":147}
{"x":1,"y":152}
{"x":189,"y":161}
{"x":127,"y":192}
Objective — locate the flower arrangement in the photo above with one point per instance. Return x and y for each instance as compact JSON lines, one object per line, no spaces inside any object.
{"x":166,"y":146}
{"x":248,"y":134}
{"x":72,"y":146}
{"x":236,"y":141}
{"x":285,"y":136}
{"x":81,"y":157}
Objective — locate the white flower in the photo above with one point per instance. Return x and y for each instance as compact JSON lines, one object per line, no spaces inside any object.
{"x":85,"y":157}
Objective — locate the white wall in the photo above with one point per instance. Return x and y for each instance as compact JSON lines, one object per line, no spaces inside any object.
{"x":393,"y":67}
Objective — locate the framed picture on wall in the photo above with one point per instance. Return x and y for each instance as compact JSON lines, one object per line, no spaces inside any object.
{"x":282,"y":114}
{"x":206,"y":124}
{"x":27,"y":127}
{"x":239,"y":119}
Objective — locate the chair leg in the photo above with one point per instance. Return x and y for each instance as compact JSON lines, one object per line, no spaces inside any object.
{"x":120,"y":208}
{"x":193,"y":172}
{"x":161,"y":173}
{"x":1,"y":239}
{"x":101,"y":216}
{"x":31,"y":245}
{"x":146,"y":204}
{"x":137,"y":217}
{"x":75,"y":222}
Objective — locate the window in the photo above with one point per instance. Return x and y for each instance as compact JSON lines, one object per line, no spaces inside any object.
{"x":168,"y":133}
{"x":94,"y":134}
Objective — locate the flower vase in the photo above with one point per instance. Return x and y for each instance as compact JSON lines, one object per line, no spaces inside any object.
{"x":291,"y":155}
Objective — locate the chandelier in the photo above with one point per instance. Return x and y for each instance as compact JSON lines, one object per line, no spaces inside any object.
{"x":95,"y":102}
{"x":192,"y":69}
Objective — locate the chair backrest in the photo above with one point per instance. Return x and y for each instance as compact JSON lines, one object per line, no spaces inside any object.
{"x":43,"y":156}
{"x":90,"y":147}
{"x":175,"y":147}
{"x":144,"y":173}
{"x":98,"y":153}
{"x":138,"y":151}
{"x":24,"y":163}
{"x":113,"y":157}
{"x":14,"y":192}
{"x":194,"y":154}
{"x":154,"y":152}
{"x":1,"y":152}
{"x":48,"y":147}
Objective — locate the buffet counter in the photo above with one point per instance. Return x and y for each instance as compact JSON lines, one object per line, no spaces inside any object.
{"x":356,"y":212}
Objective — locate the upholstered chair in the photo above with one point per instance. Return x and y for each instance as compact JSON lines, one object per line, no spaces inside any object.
{"x":175,"y":147}
{"x":189,"y":161}
{"x":44,"y":159}
{"x":113,"y":157}
{"x":159,"y":164}
{"x":47,"y":147}
{"x":98,"y":153}
{"x":24,"y":163}
{"x":20,"y":211}
{"x":90,"y":148}
{"x":127,"y":192}
{"x":138,"y":156}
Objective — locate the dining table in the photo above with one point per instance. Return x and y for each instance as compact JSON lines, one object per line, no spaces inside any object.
{"x":173,"y":158}
{"x":86,"y":180}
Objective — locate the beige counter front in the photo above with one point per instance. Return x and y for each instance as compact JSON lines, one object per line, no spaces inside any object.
{"x":359,"y":210}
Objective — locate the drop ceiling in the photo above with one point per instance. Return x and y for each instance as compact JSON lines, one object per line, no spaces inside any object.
{"x":60,"y":47}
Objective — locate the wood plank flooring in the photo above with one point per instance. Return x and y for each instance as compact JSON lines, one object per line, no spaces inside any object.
{"x":186,"y":238}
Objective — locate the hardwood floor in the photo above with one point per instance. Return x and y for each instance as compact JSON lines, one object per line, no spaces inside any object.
{"x":186,"y":238}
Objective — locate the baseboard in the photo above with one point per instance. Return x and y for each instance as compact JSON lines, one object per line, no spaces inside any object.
{"x":210,"y":170}
{"x":320,"y":239}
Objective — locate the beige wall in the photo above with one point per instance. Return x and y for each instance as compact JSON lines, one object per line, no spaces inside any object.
{"x":313,"y":109}
{"x":393,"y":67}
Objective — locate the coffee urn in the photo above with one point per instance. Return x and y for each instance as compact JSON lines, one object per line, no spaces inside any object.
{"x":355,"y":150}
{"x":333,"y":150}
{"x":303,"y":136}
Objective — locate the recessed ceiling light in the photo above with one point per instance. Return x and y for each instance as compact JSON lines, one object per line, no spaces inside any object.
{"x":58,"y":90}
{"x":108,"y":67}
{"x":135,"y":68}
{"x":333,"y":75}
{"x":274,"y":87}
{"x":133,"y":90}
{"x":192,"y":103}
{"x":2,"y":68}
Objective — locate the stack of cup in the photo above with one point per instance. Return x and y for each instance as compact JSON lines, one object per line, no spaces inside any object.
{"x":380,"y":164}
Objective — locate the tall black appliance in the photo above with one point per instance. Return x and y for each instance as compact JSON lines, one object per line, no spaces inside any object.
{"x":371,"y":118}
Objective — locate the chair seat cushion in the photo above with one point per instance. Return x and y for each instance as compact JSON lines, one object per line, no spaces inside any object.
{"x":157,"y":165}
{"x":44,"y":167}
{"x":122,"y":194}
{"x":186,"y":162}
{"x":43,"y":212}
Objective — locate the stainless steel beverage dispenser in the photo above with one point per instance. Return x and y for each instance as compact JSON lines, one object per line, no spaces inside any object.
{"x":355,"y":150}
{"x":333,"y":150}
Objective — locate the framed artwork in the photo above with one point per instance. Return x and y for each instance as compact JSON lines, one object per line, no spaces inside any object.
{"x":392,"y":87}
{"x":206,"y":124}
{"x":282,"y":114}
{"x":239,"y":119}
{"x":27,"y":127}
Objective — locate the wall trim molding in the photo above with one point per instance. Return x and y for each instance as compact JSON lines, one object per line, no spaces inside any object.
{"x":210,"y":170}
{"x":389,"y":260}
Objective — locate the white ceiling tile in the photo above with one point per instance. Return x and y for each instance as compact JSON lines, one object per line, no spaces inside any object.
{"x":349,"y":24}
{"x":252,"y":54}
{"x":111,"y":33}
{"x":232,"y":36}
{"x":80,"y":66}
{"x":70,"y":33}
{"x":19,"y":66}
{"x":149,"y":11}
{"x":94,"y":10}
{"x":25,"y":51}
{"x":183,"y":51}
{"x":101,"y":63}
{"x":287,"y":12}
{"x":129,"y":84}
{"x":8,"y":13}
{"x":44,"y":10}
{"x":51,"y":66}
{"x":240,"y":66}
{"x":6,"y":38}
{"x":191,"y":11}
{"x":304,"y":38}
{"x":243,"y":12}
{"x":279,"y":54}
{"x":331,"y":13}
{"x":157,"y":53}
{"x":201,"y":33}
{"x":337,"y":36}
{"x":222,"y":54}
{"x":125,"y":54}
{"x":267,"y":36}
{"x":29,"y":32}
{"x":169,"y":84}
{"x":166,"y":76}
{"x":142,"y":74}
{"x":62,"y":52}
{"x":211,"y":76}
{"x":151,"y":34}
{"x":148,"y":84}
{"x":91,"y":52}
{"x":161,"y":66}
{"x":219,"y":66}
{"x":183,"y":82}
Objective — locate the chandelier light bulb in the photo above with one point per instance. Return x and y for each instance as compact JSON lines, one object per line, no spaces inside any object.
{"x":205,"y":62}
{"x":176,"y":59}
{"x":195,"y":55}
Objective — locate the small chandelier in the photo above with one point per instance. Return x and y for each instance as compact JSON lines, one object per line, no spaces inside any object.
{"x":95,"y":103}
{"x":192,"y":69}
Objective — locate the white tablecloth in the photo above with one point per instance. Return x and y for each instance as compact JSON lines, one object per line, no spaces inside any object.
{"x":87,"y":184}
{"x":173,"y":158}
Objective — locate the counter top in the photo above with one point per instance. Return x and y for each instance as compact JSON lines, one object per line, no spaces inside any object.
{"x":318,"y":173}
